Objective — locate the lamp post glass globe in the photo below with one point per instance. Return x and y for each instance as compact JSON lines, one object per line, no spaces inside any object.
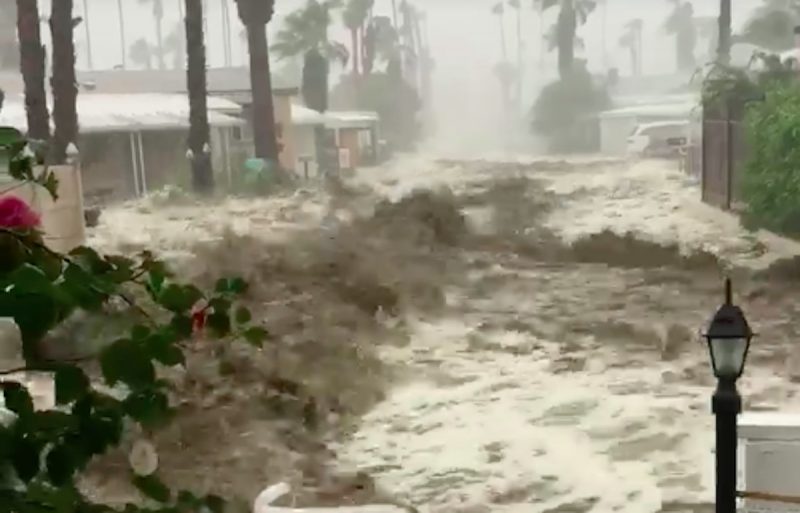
{"x":728,"y":356}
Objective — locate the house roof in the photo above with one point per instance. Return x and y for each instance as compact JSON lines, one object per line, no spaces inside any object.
{"x":666,"y":110}
{"x":220,"y":81}
{"x":99,"y":113}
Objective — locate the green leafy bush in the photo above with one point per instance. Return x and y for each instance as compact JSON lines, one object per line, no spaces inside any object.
{"x":564,"y":112}
{"x":43,"y":452}
{"x":770,"y":183}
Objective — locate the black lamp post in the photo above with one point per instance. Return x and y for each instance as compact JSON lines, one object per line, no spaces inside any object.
{"x":728,"y":339}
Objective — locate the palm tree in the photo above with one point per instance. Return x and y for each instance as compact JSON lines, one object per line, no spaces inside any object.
{"x":516,"y":5}
{"x":771,"y":25}
{"x":680,"y":23}
{"x":355,"y":16}
{"x":32,"y":66}
{"x":571,"y":15}
{"x":175,"y":45}
{"x":63,"y":81}
{"x":255,"y":14}
{"x":199,"y":151}
{"x":158,"y":16}
{"x":632,"y":40}
{"x":122,"y":43}
{"x":724,"y":52}
{"x":9,"y":54}
{"x":499,"y":11}
{"x":141,"y":54}
{"x":89,"y":60}
{"x":307,"y":29}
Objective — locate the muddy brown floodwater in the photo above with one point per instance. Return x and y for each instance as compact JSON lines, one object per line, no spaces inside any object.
{"x":482,"y":336}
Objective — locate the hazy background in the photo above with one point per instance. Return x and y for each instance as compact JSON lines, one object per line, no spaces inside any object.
{"x":465,"y":42}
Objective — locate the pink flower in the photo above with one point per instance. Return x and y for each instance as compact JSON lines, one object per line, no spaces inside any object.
{"x":15,"y":213}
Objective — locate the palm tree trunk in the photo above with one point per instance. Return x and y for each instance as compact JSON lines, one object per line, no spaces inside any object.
{"x":263,"y":111}
{"x":566,"y":40}
{"x":89,"y":59}
{"x":226,"y":33}
{"x":63,"y":82}
{"x":355,"y":50}
{"x":199,"y":132}
{"x":32,"y":66}
{"x":122,"y":44}
{"x":519,"y":57}
{"x":503,"y":37}
{"x":724,"y":50}
{"x":160,"y":40}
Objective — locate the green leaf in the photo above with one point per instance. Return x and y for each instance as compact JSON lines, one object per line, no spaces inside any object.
{"x":127,"y":361}
{"x":178,"y":298}
{"x":215,"y":503}
{"x":71,"y":384}
{"x":255,"y":336}
{"x":162,"y":348}
{"x":243,"y":315}
{"x":153,"y":488}
{"x":149,"y":407}
{"x":219,"y":323}
{"x":61,"y":464}
{"x":17,"y":399}
{"x":30,"y":279}
{"x":25,"y":456}
{"x":49,"y":263}
{"x":91,"y":260}
{"x":237,"y":285}
{"x":182,"y":325}
{"x":220,"y":305}
{"x":50,"y":182}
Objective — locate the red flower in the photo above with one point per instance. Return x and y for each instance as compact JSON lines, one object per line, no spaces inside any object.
{"x":199,"y":314}
{"x":15,"y":213}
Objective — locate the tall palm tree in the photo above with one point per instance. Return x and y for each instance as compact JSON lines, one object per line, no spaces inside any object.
{"x":122,"y":43}
{"x":199,"y":132}
{"x":571,"y":15}
{"x":89,"y":60}
{"x":771,"y":25}
{"x":63,"y":81}
{"x":518,"y":7}
{"x":32,"y":66}
{"x":142,"y":54}
{"x":255,"y":15}
{"x":632,"y":40}
{"x":680,"y":23}
{"x":158,"y":17}
{"x":9,"y":54}
{"x":355,"y":16}
{"x":499,"y":11}
{"x":175,"y":45}
{"x":307,"y":29}
{"x":724,"y":51}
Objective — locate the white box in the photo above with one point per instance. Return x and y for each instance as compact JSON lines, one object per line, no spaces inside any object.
{"x":771,"y":449}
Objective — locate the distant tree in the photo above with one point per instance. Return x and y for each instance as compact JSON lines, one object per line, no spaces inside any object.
{"x":199,"y":151}
{"x":32,"y":66}
{"x":632,"y":40}
{"x":255,"y":15}
{"x":355,"y":16}
{"x":9,"y":55}
{"x":772,"y":24}
{"x":680,"y":24}
{"x":175,"y":45}
{"x":141,"y":54}
{"x":499,"y":10}
{"x":63,"y":82}
{"x":307,"y":29}
{"x":158,"y":17}
{"x":571,"y":15}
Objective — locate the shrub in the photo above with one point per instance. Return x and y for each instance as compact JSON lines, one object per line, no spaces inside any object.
{"x":563,"y":108}
{"x":43,"y":452}
{"x":770,"y":183}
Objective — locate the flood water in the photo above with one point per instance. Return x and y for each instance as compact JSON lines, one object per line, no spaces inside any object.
{"x":564,"y":371}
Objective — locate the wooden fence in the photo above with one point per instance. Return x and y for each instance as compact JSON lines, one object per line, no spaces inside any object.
{"x":724,"y":152}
